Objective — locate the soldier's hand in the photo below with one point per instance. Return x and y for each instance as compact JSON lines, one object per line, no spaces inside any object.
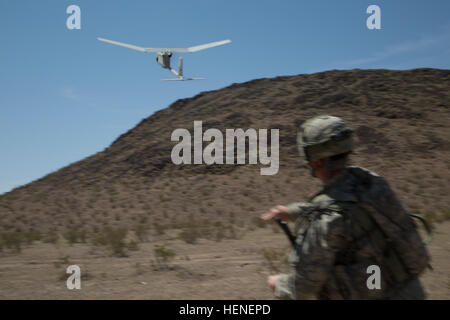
{"x":272,"y":281}
{"x":280,"y":212}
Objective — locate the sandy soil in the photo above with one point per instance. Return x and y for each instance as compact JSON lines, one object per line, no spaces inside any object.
{"x":229,"y":269}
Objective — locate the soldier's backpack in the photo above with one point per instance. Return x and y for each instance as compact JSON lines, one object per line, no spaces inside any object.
{"x":376,"y":197}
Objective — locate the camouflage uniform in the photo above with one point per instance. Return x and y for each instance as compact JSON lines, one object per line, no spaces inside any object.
{"x":326,"y":264}
{"x":354,"y":222}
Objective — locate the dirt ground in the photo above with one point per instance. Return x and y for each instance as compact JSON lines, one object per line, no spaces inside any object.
{"x":401,"y":124}
{"x":229,"y":269}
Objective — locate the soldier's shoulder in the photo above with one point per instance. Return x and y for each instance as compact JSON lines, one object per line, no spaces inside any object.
{"x":362,"y":172}
{"x":355,"y":184}
{"x":325,"y":203}
{"x":366,"y":180}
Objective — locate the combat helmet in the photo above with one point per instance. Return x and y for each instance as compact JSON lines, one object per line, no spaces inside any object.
{"x":324,"y":136}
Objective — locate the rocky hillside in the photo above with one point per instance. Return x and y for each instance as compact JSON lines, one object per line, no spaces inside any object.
{"x":402,"y":124}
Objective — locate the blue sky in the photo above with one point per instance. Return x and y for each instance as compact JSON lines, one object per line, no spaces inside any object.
{"x":64,"y":95}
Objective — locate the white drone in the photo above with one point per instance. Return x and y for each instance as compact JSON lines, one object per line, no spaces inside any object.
{"x":163,"y":55}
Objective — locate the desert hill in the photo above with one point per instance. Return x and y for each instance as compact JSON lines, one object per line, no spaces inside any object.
{"x":401,"y":119}
{"x":140,"y":227}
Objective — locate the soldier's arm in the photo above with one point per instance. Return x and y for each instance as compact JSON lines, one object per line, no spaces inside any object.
{"x":313,"y":258}
{"x":296,"y":209}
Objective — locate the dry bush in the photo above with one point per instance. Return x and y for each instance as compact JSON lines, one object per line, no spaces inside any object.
{"x":141,"y":230}
{"x":430,"y":217}
{"x":114,"y":239}
{"x":189,"y":233}
{"x":133,"y":245}
{"x":75,"y":235}
{"x":50,"y":237}
{"x":445,"y":215}
{"x":12,"y":240}
{"x":275,"y":260}
{"x":220,"y":234}
{"x":433,"y":217}
{"x":162,"y":258}
{"x":62,"y":261}
{"x":159,"y":228}
{"x":32,"y":235}
{"x":259,"y":222}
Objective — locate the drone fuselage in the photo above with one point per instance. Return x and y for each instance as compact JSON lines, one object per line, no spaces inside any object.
{"x":163,"y":59}
{"x":163,"y":55}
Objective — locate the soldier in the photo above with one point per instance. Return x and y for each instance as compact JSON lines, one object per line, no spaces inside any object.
{"x":354,"y":223}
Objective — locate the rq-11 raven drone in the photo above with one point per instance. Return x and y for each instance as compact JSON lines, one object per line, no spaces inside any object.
{"x":163,"y":55}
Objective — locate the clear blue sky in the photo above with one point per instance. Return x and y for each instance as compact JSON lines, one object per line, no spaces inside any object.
{"x":64,"y":95}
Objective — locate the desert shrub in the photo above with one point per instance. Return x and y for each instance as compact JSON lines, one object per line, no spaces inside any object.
{"x":232,"y":232}
{"x":220,"y":234}
{"x":163,"y":254}
{"x":141,"y":231}
{"x":75,"y":235}
{"x":232,"y":217}
{"x":162,"y":257}
{"x":430,"y":217}
{"x":133,"y":245}
{"x":159,"y":228}
{"x":189,"y":233}
{"x":114,"y":239}
{"x":31,"y":236}
{"x":203,"y":230}
{"x":13,"y":240}
{"x":62,"y":261}
{"x":433,"y":217}
{"x":275,"y":260}
{"x":259,"y":222}
{"x":445,"y":215}
{"x":50,"y":237}
{"x":221,"y":231}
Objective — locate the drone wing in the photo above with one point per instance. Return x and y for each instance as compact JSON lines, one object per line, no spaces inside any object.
{"x":129,"y":46}
{"x":208,"y":45}
{"x":190,"y":49}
